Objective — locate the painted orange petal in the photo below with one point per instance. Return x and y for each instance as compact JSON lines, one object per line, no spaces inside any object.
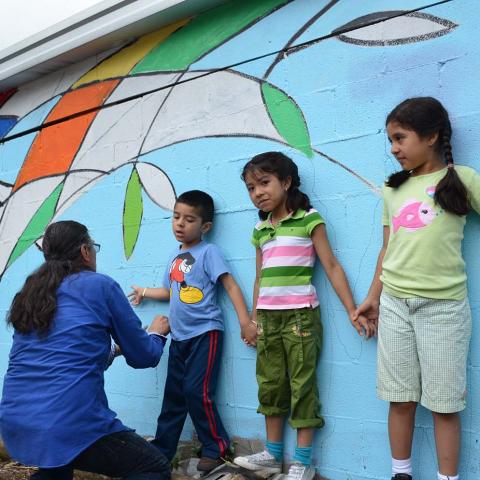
{"x":54,"y":148}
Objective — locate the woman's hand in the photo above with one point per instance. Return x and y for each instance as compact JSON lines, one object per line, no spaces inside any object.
{"x":159,"y":325}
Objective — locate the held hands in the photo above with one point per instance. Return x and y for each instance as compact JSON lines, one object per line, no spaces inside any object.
{"x":365,"y":317}
{"x":370,"y":309}
{"x":364,"y":327}
{"x":248,"y":333}
{"x":136,"y":295}
{"x":159,"y":325}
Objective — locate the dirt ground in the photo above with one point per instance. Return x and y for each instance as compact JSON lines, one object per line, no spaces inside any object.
{"x":14,"y":471}
{"x":186,"y":452}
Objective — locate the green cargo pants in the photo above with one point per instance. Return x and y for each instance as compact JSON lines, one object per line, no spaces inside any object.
{"x":288,"y":348}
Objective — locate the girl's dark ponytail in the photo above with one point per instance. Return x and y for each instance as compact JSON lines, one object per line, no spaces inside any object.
{"x":451,"y":193}
{"x":426,"y":116}
{"x":283,"y":168}
{"x":34,"y":306}
{"x":296,"y":199}
{"x":397,"y":178}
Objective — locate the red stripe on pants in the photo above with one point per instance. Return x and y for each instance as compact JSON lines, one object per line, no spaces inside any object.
{"x":207,"y":403}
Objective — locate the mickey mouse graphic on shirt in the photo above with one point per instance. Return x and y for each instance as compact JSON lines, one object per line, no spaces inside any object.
{"x":181,"y":266}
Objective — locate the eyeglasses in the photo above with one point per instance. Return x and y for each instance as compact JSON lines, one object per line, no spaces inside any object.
{"x":96,"y":247}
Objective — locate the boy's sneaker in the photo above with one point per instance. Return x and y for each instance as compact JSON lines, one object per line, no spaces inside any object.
{"x":299,"y":471}
{"x":263,"y":461}
{"x":402,"y":476}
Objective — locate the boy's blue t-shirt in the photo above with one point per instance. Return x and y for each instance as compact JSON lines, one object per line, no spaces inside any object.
{"x":191,"y":275}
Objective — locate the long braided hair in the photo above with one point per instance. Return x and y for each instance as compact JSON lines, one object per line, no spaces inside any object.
{"x":427,"y":116}
{"x":34,"y":306}
{"x":283,"y":168}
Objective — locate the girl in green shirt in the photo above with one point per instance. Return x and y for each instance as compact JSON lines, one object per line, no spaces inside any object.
{"x":419,"y":289}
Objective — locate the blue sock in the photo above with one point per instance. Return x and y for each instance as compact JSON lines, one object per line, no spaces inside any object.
{"x":303,"y":455}
{"x":275,"y":449}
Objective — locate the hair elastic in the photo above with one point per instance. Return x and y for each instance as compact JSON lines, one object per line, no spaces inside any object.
{"x":450,"y":165}
{"x":144,"y":290}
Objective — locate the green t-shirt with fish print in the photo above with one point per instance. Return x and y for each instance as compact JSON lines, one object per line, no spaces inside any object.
{"x":424,"y":252}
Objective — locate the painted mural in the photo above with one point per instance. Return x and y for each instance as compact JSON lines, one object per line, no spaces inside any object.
{"x":185,"y":107}
{"x":65,"y":160}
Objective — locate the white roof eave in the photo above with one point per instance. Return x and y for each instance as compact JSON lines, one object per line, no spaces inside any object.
{"x":96,"y":29}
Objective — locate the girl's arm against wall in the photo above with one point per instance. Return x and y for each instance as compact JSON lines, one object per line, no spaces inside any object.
{"x":338,"y":279}
{"x":371,"y":304}
{"x":256,"y":284}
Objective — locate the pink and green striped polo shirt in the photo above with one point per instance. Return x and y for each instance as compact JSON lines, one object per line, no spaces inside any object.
{"x":288,"y":257}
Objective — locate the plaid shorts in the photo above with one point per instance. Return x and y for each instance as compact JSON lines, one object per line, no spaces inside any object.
{"x":422,"y":351}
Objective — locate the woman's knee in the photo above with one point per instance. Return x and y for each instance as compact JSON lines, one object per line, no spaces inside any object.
{"x":156,"y":467}
{"x":163,"y":468}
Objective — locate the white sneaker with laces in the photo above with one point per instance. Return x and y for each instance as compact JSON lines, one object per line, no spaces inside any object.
{"x":298,"y":471}
{"x":263,"y":461}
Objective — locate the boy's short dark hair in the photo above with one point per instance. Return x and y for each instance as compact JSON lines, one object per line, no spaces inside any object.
{"x":200,"y":200}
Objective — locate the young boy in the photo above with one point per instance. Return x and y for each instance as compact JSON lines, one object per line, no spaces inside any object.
{"x":196,"y":324}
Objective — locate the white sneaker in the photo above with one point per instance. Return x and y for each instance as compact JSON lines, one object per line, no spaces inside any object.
{"x":298,"y":471}
{"x":263,"y":463}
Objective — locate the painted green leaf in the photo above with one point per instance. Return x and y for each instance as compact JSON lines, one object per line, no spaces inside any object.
{"x":287,"y":118}
{"x":132,"y":213}
{"x":204,"y":33}
{"x":37,"y":224}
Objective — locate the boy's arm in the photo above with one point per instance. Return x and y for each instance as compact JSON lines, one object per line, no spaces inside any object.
{"x":139,"y":293}
{"x":248,"y":329}
{"x":338,"y":280}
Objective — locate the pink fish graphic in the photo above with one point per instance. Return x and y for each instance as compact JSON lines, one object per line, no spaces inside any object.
{"x":413,"y":215}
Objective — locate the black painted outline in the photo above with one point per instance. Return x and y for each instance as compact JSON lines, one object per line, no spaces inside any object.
{"x":279,"y":57}
{"x":402,"y":41}
{"x":209,"y":72}
{"x":297,"y":34}
{"x":59,"y":205}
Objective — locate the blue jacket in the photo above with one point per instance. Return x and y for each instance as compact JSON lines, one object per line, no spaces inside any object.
{"x":54,"y":404}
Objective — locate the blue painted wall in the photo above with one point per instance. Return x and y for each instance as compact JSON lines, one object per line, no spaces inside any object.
{"x":344,"y":90}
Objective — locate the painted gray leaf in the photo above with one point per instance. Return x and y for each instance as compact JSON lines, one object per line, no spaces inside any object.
{"x":157,"y":185}
{"x":394,"y":28}
{"x":225,"y":104}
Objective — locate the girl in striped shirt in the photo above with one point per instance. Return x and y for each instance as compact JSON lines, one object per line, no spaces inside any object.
{"x":288,"y":238}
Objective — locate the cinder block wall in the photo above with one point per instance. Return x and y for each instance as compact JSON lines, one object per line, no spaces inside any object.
{"x":324,"y":104}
